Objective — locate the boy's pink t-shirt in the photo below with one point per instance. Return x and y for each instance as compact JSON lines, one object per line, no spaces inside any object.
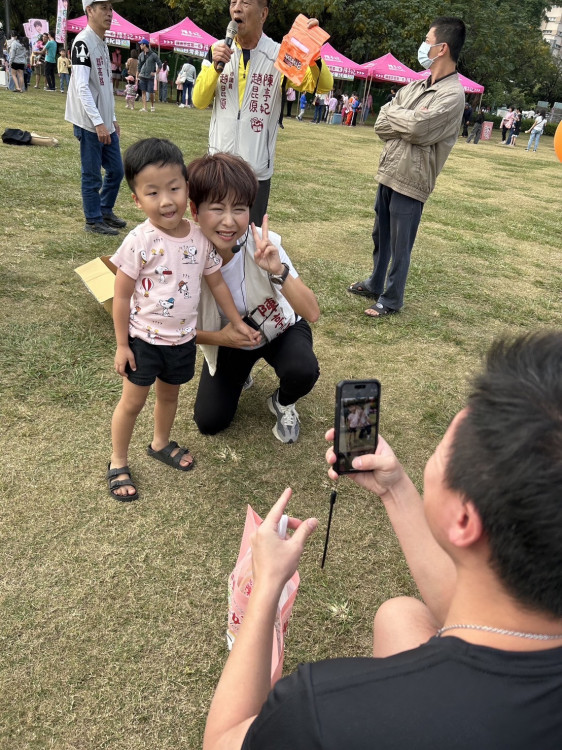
{"x":167,"y":271}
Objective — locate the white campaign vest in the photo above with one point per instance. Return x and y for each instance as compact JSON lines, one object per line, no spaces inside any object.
{"x":257,"y":289}
{"x":249,"y":132}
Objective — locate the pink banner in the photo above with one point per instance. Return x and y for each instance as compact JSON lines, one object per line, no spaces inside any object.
{"x":37,"y":27}
{"x":62,"y":12}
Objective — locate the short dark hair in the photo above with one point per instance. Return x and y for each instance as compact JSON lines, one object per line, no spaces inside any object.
{"x":149,"y":151}
{"x":214,"y":177}
{"x":506,"y":457}
{"x":452,"y":31}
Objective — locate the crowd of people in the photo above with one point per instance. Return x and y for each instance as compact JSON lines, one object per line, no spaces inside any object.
{"x":483,"y":546}
{"x":510,"y":126}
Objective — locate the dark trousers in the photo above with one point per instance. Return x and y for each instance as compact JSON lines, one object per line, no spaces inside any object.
{"x":50,"y":69}
{"x":396,"y":224}
{"x":475,"y":133}
{"x":289,"y":108}
{"x":186,"y":96}
{"x":99,"y":195}
{"x":259,"y":209}
{"x":290,"y":355}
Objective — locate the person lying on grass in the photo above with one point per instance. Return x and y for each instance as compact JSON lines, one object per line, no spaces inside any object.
{"x":267,"y":291}
{"x":157,"y":289}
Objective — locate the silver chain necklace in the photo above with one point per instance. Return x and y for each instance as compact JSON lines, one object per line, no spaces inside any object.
{"x":500,"y":631}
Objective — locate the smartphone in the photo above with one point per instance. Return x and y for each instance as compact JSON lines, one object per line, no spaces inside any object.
{"x":356,"y":422}
{"x":251,"y":322}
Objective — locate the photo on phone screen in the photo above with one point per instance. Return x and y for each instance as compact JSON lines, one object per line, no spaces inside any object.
{"x":356,"y":422}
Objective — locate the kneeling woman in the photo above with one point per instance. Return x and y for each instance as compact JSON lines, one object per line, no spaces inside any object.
{"x":267,"y":292}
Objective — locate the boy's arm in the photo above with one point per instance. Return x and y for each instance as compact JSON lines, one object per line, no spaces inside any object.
{"x":223,"y":297}
{"x":124,"y":288}
{"x":227,"y":336}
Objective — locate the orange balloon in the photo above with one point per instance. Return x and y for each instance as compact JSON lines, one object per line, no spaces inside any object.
{"x":558,"y":141}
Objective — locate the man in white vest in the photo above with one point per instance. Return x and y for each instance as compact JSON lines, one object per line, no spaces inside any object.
{"x":248,"y":96}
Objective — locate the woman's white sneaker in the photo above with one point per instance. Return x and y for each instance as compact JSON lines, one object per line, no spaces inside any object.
{"x":288,"y":425}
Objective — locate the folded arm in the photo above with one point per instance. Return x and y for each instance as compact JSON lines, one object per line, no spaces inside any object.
{"x":422,"y":126}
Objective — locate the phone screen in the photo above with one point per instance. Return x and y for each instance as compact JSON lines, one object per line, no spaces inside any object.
{"x":357,"y":421}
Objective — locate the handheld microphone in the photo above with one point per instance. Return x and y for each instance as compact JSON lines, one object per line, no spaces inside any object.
{"x":231,"y":31}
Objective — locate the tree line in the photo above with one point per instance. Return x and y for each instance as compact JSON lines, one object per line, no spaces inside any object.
{"x":504,"y":50}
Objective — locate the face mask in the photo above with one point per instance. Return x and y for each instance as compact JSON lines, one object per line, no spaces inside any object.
{"x":423,"y":54}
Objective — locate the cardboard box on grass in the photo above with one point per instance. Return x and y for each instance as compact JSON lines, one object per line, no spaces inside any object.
{"x":99,"y":277}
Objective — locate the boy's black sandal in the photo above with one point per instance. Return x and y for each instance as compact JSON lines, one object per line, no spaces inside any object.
{"x":113,"y":483}
{"x":165,"y":455}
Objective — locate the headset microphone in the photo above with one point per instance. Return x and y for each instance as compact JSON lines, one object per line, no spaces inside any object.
{"x":231,"y":31}
{"x":239,"y":245}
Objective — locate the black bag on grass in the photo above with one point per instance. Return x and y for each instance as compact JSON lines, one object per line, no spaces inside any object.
{"x":16,"y":137}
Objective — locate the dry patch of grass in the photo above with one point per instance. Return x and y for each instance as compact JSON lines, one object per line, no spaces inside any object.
{"x":113,"y":616}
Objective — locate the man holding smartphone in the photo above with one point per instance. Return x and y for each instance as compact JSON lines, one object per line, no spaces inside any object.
{"x":478,"y":662}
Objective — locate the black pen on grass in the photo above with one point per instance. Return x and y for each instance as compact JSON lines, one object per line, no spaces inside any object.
{"x":333,"y":496}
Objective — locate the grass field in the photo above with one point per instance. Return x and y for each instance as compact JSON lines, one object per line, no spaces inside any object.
{"x":113,"y":616}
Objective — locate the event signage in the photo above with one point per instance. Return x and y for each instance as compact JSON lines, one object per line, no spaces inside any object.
{"x":60,"y":29}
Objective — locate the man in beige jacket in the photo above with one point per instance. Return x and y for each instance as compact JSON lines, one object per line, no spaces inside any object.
{"x":420,"y":127}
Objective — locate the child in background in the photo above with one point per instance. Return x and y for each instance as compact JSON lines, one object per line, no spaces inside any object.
{"x":163,"y":82}
{"x":302,"y":106}
{"x":157,"y":289}
{"x":130,"y":92}
{"x":63,"y":68}
{"x":332,"y":104}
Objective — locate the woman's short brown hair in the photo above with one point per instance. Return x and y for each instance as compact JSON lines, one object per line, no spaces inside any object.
{"x":214,"y":177}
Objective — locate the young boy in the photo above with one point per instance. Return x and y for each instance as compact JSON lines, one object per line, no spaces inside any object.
{"x":63,"y":65}
{"x":157,"y":288}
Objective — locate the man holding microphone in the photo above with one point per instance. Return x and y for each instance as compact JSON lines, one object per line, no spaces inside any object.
{"x":246,"y":88}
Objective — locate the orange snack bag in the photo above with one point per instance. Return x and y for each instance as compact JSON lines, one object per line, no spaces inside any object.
{"x":299,"y":48}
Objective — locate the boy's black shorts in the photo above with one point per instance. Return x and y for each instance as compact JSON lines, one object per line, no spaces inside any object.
{"x":174,"y":365}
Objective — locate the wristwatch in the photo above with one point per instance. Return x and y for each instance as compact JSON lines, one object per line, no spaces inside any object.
{"x":280,"y":278}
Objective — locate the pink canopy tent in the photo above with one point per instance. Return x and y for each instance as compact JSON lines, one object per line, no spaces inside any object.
{"x":120,"y":30}
{"x":341,"y":66}
{"x":184,"y":37}
{"x":388,"y":68}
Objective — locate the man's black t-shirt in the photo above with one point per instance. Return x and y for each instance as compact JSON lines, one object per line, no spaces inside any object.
{"x":447,"y":694}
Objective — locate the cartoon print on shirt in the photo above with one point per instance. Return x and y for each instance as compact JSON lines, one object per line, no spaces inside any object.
{"x":214,"y":258}
{"x":183,"y":288}
{"x":154,"y":251}
{"x":184,"y":330}
{"x":134,"y":312}
{"x":144,"y":259}
{"x":152,"y":333}
{"x":166,"y":305}
{"x":147,"y":285}
{"x":162,"y":272}
{"x":190,"y":254}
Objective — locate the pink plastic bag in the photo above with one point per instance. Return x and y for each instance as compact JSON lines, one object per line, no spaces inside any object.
{"x":239,"y":588}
